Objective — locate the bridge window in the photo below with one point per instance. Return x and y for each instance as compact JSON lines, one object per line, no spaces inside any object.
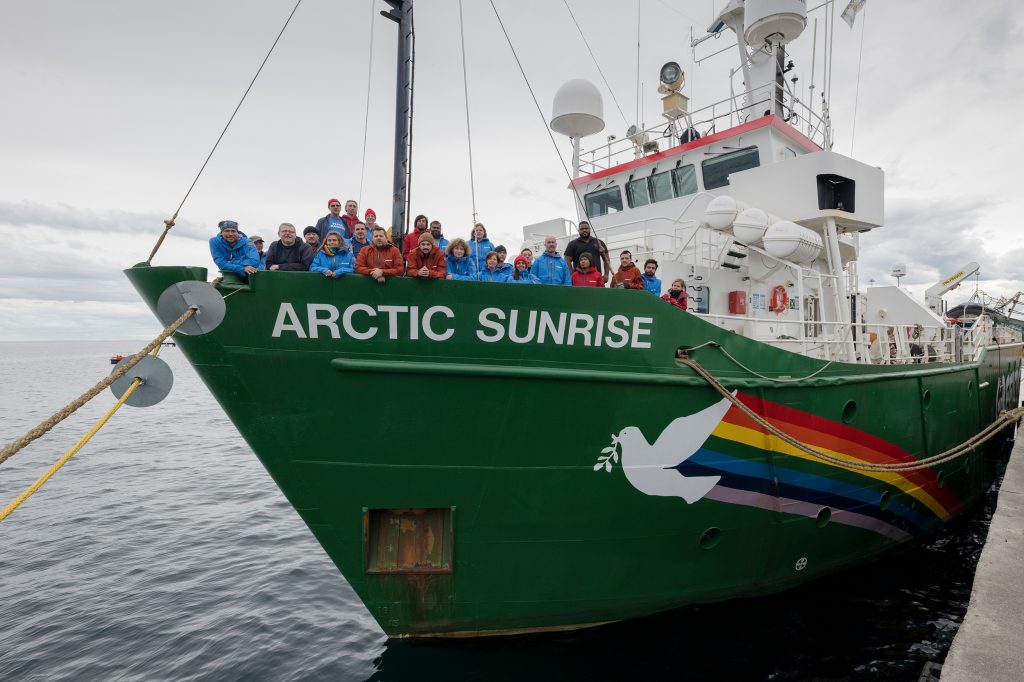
{"x":661,"y":186}
{"x":684,"y":180}
{"x":717,"y":170}
{"x":638,"y":193}
{"x":604,"y":201}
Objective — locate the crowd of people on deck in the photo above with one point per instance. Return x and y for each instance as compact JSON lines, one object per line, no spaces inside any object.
{"x":341,"y":243}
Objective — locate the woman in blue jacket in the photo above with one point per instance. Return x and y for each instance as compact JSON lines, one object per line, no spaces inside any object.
{"x":491,"y":272}
{"x":460,"y":265}
{"x":522,"y":274}
{"x":480,"y":246}
{"x":335,"y":258}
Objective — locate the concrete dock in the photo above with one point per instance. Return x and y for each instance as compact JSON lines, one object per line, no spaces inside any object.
{"x":990,"y":643}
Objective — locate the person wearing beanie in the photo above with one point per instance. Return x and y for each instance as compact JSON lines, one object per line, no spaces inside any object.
{"x":312,"y":237}
{"x":232,"y":251}
{"x":521,"y":272}
{"x":413,"y":238}
{"x":332,"y":221}
{"x":427,"y":261}
{"x":586,"y":275}
{"x":335,"y":258}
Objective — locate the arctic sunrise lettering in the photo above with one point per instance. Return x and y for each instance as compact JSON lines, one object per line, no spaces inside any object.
{"x":438,"y":323}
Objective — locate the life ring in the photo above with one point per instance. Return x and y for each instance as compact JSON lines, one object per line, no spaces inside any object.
{"x":780,"y":299}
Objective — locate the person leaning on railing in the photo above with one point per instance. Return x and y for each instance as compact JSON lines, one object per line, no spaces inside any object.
{"x":426,"y":261}
{"x":380,"y":260}
{"x":289,"y":253}
{"x":232,"y":251}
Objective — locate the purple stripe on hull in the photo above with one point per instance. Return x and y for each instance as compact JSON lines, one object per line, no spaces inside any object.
{"x":786,"y":505}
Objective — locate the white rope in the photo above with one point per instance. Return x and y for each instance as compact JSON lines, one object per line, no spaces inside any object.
{"x":366,"y":111}
{"x":465,"y":94}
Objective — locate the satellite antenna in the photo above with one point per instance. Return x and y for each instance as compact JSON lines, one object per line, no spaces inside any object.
{"x":576,"y":112}
{"x":898,"y":270}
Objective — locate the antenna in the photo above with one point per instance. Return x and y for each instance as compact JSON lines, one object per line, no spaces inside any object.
{"x":898,"y":270}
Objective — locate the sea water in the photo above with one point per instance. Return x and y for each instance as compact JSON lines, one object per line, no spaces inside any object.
{"x":163,"y":551}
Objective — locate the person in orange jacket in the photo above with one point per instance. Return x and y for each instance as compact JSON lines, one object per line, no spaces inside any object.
{"x":427,"y":261}
{"x":629,"y":275}
{"x":586,"y":275}
{"x":380,"y":260}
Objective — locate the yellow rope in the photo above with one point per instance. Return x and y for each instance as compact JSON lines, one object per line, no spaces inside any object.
{"x":1005,"y":419}
{"x":69,"y":454}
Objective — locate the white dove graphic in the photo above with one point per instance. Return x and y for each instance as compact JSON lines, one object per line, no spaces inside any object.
{"x":651,"y":468}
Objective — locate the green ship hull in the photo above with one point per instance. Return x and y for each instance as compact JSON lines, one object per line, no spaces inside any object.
{"x":483,"y":459}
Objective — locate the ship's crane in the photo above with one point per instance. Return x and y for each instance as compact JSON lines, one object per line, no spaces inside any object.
{"x":933,"y":296}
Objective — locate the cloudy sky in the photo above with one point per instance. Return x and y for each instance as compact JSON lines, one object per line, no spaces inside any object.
{"x":110,"y":107}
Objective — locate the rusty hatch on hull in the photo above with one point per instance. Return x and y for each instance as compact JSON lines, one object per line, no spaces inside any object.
{"x":408,"y":540}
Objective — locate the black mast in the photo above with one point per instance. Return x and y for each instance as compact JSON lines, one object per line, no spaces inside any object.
{"x":401,"y":13}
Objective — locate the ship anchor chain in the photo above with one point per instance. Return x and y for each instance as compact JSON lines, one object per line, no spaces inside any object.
{"x":1005,"y":418}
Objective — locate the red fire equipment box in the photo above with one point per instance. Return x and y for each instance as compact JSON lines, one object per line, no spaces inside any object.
{"x":737,"y":303}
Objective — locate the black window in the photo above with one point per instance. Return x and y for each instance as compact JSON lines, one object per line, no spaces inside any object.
{"x":684,"y":180}
{"x":637,"y":193}
{"x":661,"y":186}
{"x":604,"y":201}
{"x":717,"y":170}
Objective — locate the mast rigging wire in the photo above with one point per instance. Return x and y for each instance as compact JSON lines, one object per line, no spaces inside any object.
{"x":465,"y":94}
{"x":366,"y":112}
{"x":412,"y":104}
{"x":591,"y":51}
{"x":860,"y":58}
{"x":170,"y":223}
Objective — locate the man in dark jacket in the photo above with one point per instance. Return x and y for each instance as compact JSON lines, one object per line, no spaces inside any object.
{"x":332,"y":221}
{"x":585,"y":243}
{"x":289,"y":253}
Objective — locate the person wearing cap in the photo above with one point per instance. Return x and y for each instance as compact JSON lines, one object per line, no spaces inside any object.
{"x":435,"y":232}
{"x":491,"y":273}
{"x":586,"y":275}
{"x":628,"y":276}
{"x":381,"y":259}
{"x":502,"y":265}
{"x":413,"y":238}
{"x":232,"y":251}
{"x":586,"y":243}
{"x":257,"y":241}
{"x":311,"y":237}
{"x":334,"y":259}
{"x":651,"y":283}
{"x":460,"y":265}
{"x":521,"y":272}
{"x":289,"y":253}
{"x":359,"y":238}
{"x":332,"y":221}
{"x":427,"y":261}
{"x":350,"y":216}
{"x":549,"y":267}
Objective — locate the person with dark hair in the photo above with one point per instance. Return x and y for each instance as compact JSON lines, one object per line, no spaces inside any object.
{"x":335,"y":258}
{"x":413,"y":238}
{"x":289,"y":253}
{"x":479,"y":246}
{"x":232,"y":251}
{"x":585,"y":243}
{"x":427,"y":261}
{"x":435,"y":232}
{"x":381,"y":259}
{"x":502,"y":253}
{"x":359,"y":239}
{"x":521,"y":272}
{"x":491,"y":273}
{"x":550,"y":267}
{"x":651,"y":283}
{"x":460,"y":265}
{"x":332,"y":221}
{"x":311,"y":237}
{"x":677,"y":294}
{"x":585,"y":275}
{"x":628,"y":276}
{"x":527,"y":253}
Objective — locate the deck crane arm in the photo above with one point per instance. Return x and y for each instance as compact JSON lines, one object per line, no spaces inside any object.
{"x":933,"y":296}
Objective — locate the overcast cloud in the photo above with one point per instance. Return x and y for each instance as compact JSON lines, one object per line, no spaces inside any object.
{"x":110,"y":109}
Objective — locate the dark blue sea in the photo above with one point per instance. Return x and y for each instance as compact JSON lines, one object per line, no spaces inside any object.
{"x":163,"y":551}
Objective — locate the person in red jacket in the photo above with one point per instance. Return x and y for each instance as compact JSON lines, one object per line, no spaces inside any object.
{"x":380,"y":260}
{"x":427,"y":261}
{"x":629,"y":275}
{"x":676,"y":294}
{"x":586,"y":275}
{"x":413,"y":238}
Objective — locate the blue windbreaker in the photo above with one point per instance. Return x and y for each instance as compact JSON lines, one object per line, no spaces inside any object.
{"x":525,"y":277}
{"x":234,"y":258}
{"x":263,"y":260}
{"x":461,"y":268}
{"x":478,"y":252}
{"x":442,"y":243}
{"x":340,"y":263}
{"x":495,"y":275}
{"x":552,"y":269}
{"x":651,"y":284}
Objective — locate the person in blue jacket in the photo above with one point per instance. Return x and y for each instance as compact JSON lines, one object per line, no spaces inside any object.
{"x":460,"y":265}
{"x":233,"y":252}
{"x":479,"y":246}
{"x":651,"y":283}
{"x":491,"y":271}
{"x":257,"y":241}
{"x":334,"y":258}
{"x":522,"y":274}
{"x":549,"y":267}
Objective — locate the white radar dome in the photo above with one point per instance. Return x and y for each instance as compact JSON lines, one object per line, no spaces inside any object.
{"x":578,"y":110}
{"x":792,"y":242}
{"x":721,"y":211}
{"x":750,"y":225}
{"x":764,"y":18}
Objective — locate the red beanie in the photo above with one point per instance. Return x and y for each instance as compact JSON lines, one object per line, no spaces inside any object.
{"x":332,"y":201}
{"x":520,"y":258}
{"x":371,"y":212}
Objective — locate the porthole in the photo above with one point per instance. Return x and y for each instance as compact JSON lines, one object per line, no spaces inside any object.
{"x":824,"y":516}
{"x":849,"y":410}
{"x":884,"y":500}
{"x":711,"y":537}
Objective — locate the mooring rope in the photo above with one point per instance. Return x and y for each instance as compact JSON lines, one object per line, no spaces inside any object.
{"x":81,"y":400}
{"x":1006,"y":418}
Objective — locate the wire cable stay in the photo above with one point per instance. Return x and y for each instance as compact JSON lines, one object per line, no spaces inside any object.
{"x":169,"y":223}
{"x":860,"y":59}
{"x":593,"y":57}
{"x":366,"y":112}
{"x":465,"y":94}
